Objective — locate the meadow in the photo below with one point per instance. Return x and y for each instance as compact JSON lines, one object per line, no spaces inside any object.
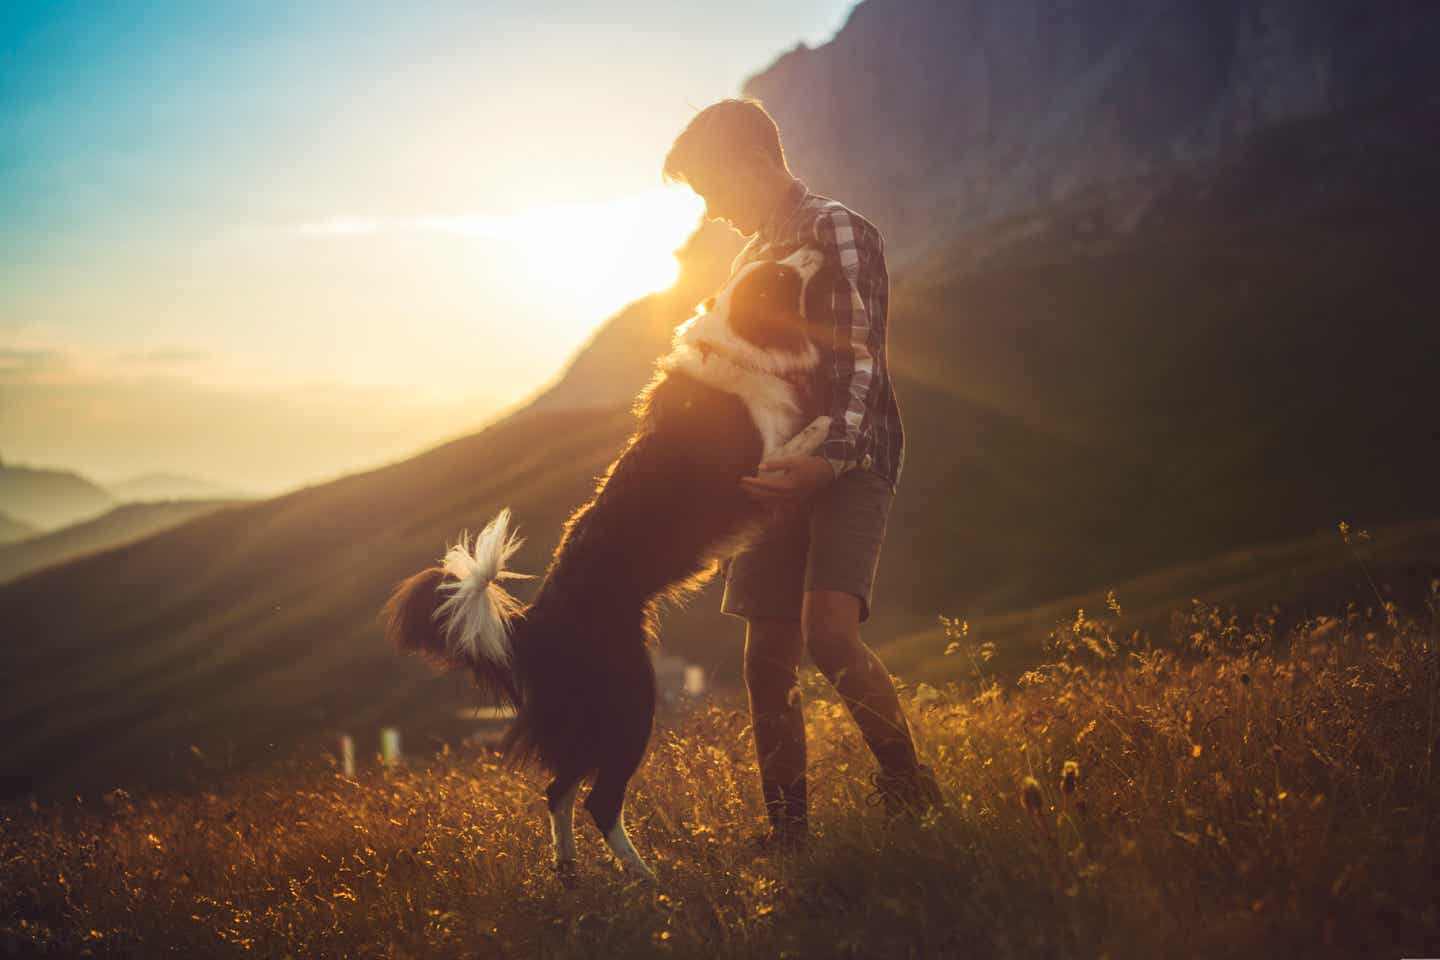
{"x":1230,"y":789}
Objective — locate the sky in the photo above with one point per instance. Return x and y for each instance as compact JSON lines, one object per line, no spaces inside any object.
{"x":268,"y":243}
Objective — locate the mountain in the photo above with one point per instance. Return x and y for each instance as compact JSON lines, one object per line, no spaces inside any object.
{"x":127,"y":522}
{"x":1164,"y":383}
{"x":169,"y":486}
{"x":12,"y":529}
{"x":49,"y":498}
{"x":933,"y":116}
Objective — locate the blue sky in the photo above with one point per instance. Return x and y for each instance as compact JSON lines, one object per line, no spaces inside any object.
{"x":179,"y":183}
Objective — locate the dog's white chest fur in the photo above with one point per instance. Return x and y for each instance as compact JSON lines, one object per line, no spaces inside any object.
{"x":771,"y":401}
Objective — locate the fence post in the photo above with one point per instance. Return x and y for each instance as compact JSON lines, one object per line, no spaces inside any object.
{"x":347,"y":754}
{"x":694,"y":680}
{"x":390,"y":747}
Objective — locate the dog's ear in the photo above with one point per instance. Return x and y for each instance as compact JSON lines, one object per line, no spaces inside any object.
{"x":827,"y":283}
{"x":765,"y":308}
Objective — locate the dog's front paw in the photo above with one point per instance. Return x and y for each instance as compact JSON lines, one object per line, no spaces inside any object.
{"x":806,"y":442}
{"x":807,"y":262}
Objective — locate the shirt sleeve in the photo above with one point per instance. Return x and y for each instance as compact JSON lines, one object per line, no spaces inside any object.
{"x":856,"y":321}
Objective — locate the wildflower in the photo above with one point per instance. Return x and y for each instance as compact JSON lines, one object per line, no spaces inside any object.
{"x":1070,"y":777}
{"x":1030,"y":796}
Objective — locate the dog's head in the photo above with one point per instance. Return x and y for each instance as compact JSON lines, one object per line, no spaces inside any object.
{"x":758,"y":319}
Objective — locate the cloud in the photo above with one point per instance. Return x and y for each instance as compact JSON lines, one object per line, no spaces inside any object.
{"x":465,"y":224}
{"x":670,"y":209}
{"x":18,"y":364}
{"x":165,"y":357}
{"x":340,"y":227}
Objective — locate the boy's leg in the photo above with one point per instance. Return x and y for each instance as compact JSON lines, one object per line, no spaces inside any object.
{"x":764,"y":584}
{"x":831,"y":628}
{"x":772,"y":662}
{"x":847,"y":530}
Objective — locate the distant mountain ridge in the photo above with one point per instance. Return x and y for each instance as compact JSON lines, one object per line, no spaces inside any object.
{"x":50,"y":498}
{"x":170,"y":486}
{"x":119,"y":525}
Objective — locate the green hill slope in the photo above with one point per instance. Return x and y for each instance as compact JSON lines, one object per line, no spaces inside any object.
{"x":12,"y":529}
{"x":127,"y":522}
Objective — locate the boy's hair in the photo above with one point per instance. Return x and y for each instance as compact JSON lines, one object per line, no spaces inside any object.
{"x":719,"y":136}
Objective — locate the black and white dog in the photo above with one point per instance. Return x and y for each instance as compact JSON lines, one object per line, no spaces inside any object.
{"x":733,"y":392}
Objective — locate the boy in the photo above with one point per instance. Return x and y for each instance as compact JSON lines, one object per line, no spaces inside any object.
{"x":807,"y":584}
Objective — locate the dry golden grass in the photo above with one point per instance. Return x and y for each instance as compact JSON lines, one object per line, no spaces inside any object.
{"x":1231,"y":793}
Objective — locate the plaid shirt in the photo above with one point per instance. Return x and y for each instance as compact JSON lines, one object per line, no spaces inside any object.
{"x":865,"y":429}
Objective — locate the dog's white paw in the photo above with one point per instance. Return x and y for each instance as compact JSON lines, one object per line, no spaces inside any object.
{"x":807,"y":262}
{"x":805,"y":442}
{"x":625,"y":853}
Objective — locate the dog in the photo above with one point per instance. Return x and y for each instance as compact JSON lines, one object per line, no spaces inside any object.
{"x":733,"y":392}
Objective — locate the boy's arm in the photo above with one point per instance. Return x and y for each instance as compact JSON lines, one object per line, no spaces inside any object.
{"x":856,"y":321}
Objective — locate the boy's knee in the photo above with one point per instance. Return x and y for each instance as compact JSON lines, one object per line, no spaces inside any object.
{"x":772,"y":655}
{"x":833,"y":646}
{"x":830,"y":624}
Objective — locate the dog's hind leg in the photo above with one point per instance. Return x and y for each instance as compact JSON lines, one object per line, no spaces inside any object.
{"x":560,"y":801}
{"x":606,"y":804}
{"x":620,"y":757}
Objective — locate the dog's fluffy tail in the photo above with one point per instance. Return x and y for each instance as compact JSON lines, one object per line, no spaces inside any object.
{"x":479,"y":611}
{"x":458,"y":614}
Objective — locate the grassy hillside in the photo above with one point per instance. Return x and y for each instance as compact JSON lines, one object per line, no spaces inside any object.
{"x":1130,"y":382}
{"x":127,"y":522}
{"x":1246,"y":793}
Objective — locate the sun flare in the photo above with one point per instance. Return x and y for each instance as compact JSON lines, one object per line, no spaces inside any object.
{"x":590,"y":258}
{"x":614,"y":251}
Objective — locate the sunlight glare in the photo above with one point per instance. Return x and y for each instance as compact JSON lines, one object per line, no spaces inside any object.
{"x":590,"y":259}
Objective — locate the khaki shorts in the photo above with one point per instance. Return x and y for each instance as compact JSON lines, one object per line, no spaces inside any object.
{"x":830,"y":542}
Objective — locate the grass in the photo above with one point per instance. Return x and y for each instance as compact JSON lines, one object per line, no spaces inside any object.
{"x":1232,"y":792}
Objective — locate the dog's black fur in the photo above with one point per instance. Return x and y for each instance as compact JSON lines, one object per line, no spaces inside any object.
{"x":580,"y":677}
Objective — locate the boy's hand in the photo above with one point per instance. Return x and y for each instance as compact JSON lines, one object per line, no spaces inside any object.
{"x":790,"y":480}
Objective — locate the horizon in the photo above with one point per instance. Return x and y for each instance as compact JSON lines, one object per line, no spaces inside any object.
{"x":268,"y":247}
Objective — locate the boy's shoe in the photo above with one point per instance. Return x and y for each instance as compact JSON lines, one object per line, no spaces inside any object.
{"x":911,"y":794}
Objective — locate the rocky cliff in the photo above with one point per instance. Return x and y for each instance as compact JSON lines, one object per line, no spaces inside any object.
{"x":933,"y":115}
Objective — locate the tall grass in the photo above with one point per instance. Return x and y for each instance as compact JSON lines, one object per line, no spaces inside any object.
{"x":1229,"y":792}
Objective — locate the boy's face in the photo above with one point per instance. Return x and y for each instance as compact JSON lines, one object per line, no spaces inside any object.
{"x":734,"y":195}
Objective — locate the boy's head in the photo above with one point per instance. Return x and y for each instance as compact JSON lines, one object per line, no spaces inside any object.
{"x":730,"y":154}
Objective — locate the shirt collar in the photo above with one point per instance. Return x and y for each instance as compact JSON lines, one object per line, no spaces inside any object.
{"x":785,"y":208}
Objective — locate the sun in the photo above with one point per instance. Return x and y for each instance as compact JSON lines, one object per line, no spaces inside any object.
{"x":600,"y":256}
